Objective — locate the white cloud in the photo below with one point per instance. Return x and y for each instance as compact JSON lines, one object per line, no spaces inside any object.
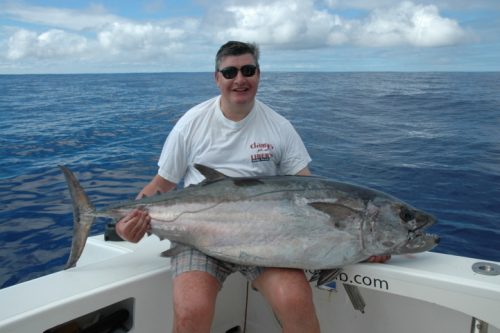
{"x":375,"y":4}
{"x":282,"y":23}
{"x":277,"y":23}
{"x":145,"y":38}
{"x":361,"y":4}
{"x":50,"y":44}
{"x":410,"y":24}
{"x":95,"y":35}
{"x":90,"y":34}
{"x":298,"y":22}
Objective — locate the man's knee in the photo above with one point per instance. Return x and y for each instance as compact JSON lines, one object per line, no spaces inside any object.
{"x":293,"y":305}
{"x":285,"y":289}
{"x":294,"y":298}
{"x":194,"y":301}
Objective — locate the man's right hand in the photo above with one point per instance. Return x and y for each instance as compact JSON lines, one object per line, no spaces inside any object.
{"x":133,"y":226}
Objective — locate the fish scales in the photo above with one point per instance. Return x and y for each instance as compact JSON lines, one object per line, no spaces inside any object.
{"x":249,"y":229}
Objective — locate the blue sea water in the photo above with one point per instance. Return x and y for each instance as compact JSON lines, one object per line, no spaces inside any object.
{"x":431,"y":139}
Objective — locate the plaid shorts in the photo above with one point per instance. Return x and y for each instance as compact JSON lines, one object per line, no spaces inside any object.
{"x":191,"y":259}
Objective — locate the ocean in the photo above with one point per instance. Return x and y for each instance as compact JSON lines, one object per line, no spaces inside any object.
{"x":431,"y":139}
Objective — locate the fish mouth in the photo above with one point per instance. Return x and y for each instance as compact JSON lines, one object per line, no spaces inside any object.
{"x":418,"y":241}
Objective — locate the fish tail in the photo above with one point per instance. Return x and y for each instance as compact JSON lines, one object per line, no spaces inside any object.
{"x":83,"y":216}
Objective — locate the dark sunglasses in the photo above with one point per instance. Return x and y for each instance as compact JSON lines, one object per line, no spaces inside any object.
{"x":231,"y":72}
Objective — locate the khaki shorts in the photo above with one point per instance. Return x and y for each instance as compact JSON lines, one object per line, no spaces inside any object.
{"x":193,"y":260}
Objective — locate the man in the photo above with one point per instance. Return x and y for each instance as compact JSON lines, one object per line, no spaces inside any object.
{"x":239,"y":136}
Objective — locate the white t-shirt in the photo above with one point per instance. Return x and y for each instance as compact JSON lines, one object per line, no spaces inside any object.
{"x":264,"y":143}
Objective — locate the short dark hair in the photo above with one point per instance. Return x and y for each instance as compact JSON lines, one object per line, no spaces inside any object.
{"x":234,"y":48}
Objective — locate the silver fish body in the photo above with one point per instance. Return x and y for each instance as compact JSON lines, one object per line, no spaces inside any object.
{"x":282,"y":221}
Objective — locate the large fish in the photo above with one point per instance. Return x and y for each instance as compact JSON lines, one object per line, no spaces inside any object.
{"x":281,"y":221}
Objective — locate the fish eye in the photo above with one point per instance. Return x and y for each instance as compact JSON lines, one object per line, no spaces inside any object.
{"x":406,"y":214}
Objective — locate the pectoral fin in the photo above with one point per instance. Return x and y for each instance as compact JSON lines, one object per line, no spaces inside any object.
{"x":340,"y":214}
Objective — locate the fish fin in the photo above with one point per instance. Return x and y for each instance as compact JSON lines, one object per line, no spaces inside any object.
{"x":339,"y":213}
{"x":242,"y":182}
{"x":325,"y":276}
{"x":355,"y":297}
{"x":209,"y":173}
{"x":83,"y":216}
{"x":173,"y":251}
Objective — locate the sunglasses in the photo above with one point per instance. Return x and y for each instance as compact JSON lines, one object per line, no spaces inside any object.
{"x":231,"y":72}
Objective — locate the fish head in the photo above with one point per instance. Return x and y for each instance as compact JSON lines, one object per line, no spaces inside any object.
{"x":393,"y":227}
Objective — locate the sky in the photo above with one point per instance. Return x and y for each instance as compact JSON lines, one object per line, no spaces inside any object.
{"x":116,"y":36}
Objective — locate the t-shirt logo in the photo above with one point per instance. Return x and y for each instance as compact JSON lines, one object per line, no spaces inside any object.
{"x":261,"y":152}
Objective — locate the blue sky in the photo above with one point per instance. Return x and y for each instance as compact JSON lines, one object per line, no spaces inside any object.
{"x":294,"y":35}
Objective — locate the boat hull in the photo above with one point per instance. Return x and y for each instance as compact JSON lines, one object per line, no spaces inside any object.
{"x":427,"y":292}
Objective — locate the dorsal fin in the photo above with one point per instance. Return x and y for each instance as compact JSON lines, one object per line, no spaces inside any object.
{"x":247,"y":181}
{"x":210,"y":174}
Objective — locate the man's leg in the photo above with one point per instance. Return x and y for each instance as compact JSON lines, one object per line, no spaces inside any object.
{"x":290,"y":296}
{"x":194,"y":295}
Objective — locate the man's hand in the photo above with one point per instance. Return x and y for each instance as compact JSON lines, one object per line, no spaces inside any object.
{"x":133,"y":226}
{"x":378,"y":259}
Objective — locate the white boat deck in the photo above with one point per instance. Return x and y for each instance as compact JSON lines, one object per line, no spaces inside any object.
{"x":427,"y":292}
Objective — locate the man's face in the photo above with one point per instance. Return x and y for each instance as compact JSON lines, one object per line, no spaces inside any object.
{"x":240,"y":90}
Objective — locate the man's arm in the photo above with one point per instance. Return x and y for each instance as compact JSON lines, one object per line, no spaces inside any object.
{"x":304,"y":172}
{"x":157,"y":185}
{"x":134,"y":225}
